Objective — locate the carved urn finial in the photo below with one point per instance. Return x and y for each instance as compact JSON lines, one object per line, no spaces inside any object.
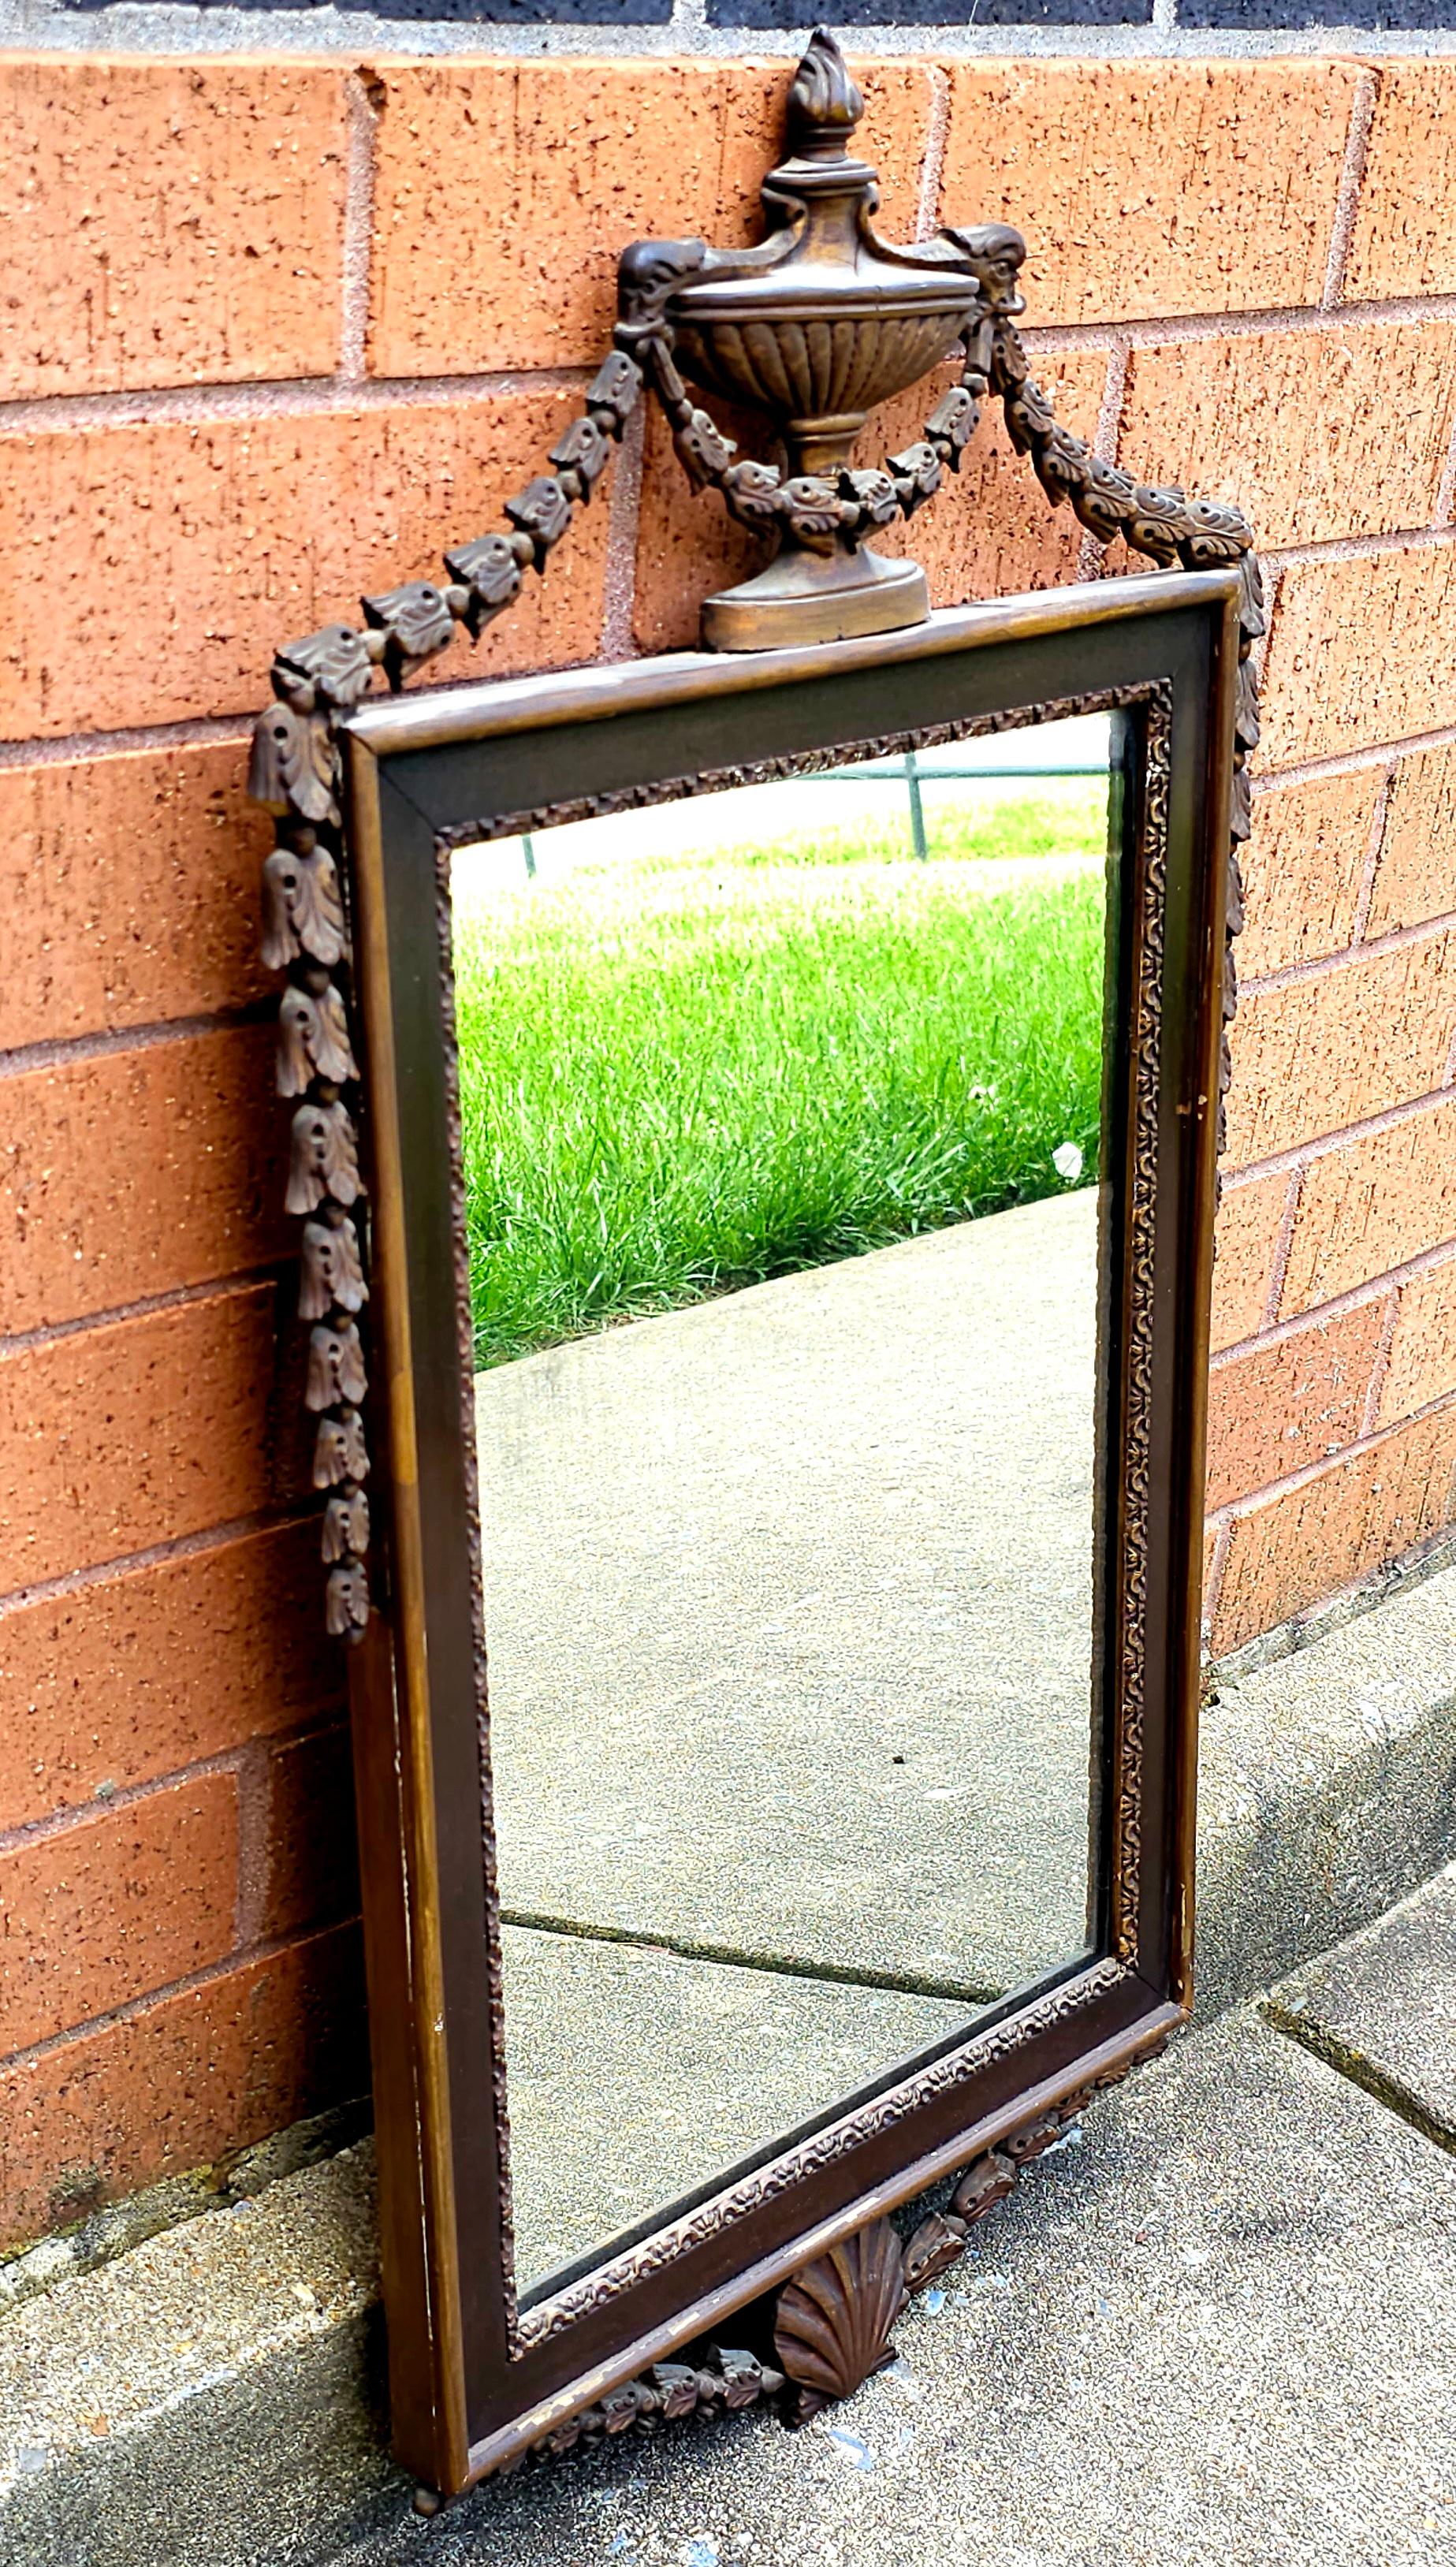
{"x":815,"y":327}
{"x":824,"y":107}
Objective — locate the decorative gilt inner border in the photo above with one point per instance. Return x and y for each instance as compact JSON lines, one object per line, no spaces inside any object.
{"x":622,"y":2273}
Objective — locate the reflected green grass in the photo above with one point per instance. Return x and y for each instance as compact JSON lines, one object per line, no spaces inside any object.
{"x":1064,"y":818}
{"x":679,"y":1080}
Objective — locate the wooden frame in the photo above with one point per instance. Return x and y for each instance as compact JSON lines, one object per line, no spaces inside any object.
{"x":478,"y":2383}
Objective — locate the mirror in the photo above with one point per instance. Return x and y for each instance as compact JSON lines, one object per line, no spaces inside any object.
{"x":756,"y":1236}
{"x":781,"y":1121}
{"x":758,"y":1348}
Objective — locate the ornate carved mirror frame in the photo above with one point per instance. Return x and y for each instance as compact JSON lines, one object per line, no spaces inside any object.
{"x":829,"y":652}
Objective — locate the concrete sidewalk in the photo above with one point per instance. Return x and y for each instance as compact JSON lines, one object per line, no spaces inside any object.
{"x":213,"y":2397}
{"x":1217,"y":2328}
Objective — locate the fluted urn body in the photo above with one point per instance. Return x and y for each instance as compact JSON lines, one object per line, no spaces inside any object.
{"x":815,"y":327}
{"x":821,"y":341}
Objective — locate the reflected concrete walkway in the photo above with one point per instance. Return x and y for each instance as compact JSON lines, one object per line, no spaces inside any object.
{"x":788,"y":1608}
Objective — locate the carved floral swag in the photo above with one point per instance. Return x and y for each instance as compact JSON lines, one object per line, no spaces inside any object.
{"x":318,"y":681}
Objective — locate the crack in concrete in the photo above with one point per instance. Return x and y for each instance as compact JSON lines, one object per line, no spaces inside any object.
{"x":772,"y":1964}
{"x":1352,"y":2064}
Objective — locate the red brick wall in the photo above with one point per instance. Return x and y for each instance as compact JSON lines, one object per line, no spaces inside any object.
{"x":270,"y":334}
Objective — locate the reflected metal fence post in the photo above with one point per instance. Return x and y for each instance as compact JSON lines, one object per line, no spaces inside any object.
{"x":917,"y":807}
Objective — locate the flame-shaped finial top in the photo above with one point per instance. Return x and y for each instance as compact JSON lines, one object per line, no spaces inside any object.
{"x":824,"y":107}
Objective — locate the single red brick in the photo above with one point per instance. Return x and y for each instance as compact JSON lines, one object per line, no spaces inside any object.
{"x":1402,"y":242}
{"x":129,"y":1173}
{"x":1153,"y":189}
{"x":1372,"y":1205}
{"x":312,"y":1858}
{"x":1314,"y":434}
{"x":181,"y":2082}
{"x":224,"y":537}
{"x":111,"y":1906}
{"x":118,"y":1437}
{"x":1302,"y":870}
{"x":1311,"y":1056}
{"x":168,"y":223}
{"x":1274,"y":1408}
{"x":128,"y":1678}
{"x":470,"y":279}
{"x":128,"y":885}
{"x":1290,"y":1550}
{"x":1415,"y":877}
{"x":1424,"y":1348}
{"x":1250,"y":1219}
{"x":1358,"y":653}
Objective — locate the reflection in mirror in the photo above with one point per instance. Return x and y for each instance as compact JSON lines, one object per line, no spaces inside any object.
{"x":782,"y":1114}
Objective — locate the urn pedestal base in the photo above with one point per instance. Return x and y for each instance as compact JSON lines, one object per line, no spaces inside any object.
{"x":807,"y":597}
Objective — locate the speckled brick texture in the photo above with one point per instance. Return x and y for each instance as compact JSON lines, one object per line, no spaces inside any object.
{"x":1312,"y":1057}
{"x":131,"y":1172}
{"x":147,"y":866}
{"x":114,"y":1904}
{"x":1359,"y":652}
{"x":522,"y":273}
{"x":1151,"y":190}
{"x":1303,"y":869}
{"x":127,"y":1677}
{"x":154,"y":2089}
{"x":1296,"y":425}
{"x":1402,"y":241}
{"x":273,"y":333}
{"x":225,"y":535}
{"x":169,"y":223}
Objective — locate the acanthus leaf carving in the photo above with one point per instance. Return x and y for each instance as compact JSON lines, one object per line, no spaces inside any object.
{"x":706,"y":451}
{"x":336,"y":1373}
{"x":416,"y":622}
{"x":332,"y":668}
{"x":816,"y":514}
{"x":312,"y":1039}
{"x":649,"y":274}
{"x":951,"y":424}
{"x":543,"y":512}
{"x":987,"y":2180}
{"x":584,"y":451}
{"x":937,"y":2244}
{"x":340,"y":1451}
{"x":345,"y":1526}
{"x":292,"y":766}
{"x":489,"y":572}
{"x":615,"y":391}
{"x":874,"y":496}
{"x":915,"y":475}
{"x":346,"y":1602}
{"x":332,"y":1272}
{"x":303,"y":908}
{"x":754,"y":493}
{"x":324,"y":1158}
